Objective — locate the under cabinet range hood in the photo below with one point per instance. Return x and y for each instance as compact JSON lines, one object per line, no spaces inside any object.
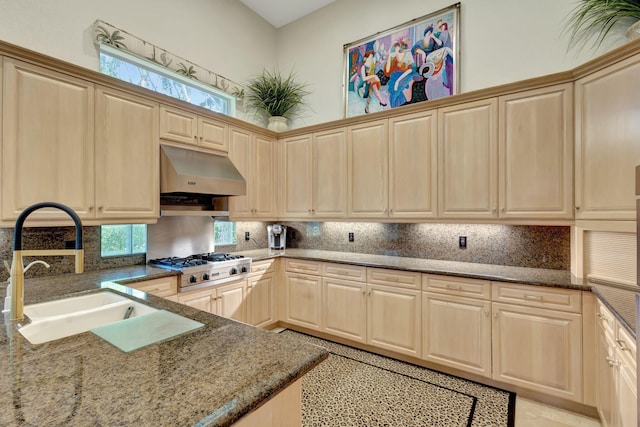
{"x":197,"y":183}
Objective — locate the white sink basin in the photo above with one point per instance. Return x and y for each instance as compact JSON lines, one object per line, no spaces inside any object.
{"x":70,"y":316}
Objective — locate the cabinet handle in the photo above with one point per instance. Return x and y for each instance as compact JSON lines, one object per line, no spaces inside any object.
{"x":364,"y":292}
{"x":577,"y":208}
{"x":502,"y":209}
{"x":90,"y":208}
{"x":534,"y":297}
{"x":369,"y":292}
{"x":612,"y":362}
{"x":493,"y":209}
{"x":151,"y":290}
{"x":602,"y":317}
{"x":486,"y":313}
{"x":455,"y":287}
{"x":100,"y":208}
{"x":623,"y":345}
{"x":313,"y":211}
{"x":495,"y":315}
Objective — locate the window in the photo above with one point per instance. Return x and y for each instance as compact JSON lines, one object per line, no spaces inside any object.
{"x":224,"y":233}
{"x":123,"y":239}
{"x":130,"y":68}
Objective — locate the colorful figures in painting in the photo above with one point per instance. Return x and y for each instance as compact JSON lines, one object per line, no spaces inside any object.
{"x":417,"y":66}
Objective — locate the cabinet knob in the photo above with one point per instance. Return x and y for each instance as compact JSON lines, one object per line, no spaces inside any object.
{"x":486,"y":313}
{"x":495,"y":315}
{"x":90,"y":208}
{"x":502,"y":209}
{"x":623,"y":345}
{"x":493,"y":209}
{"x":577,"y":208}
{"x":612,"y":362}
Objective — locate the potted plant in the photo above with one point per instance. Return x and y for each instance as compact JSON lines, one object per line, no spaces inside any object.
{"x":598,"y":17}
{"x":275,"y":97}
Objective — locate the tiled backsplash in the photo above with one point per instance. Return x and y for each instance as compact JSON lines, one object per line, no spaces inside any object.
{"x":514,"y":245}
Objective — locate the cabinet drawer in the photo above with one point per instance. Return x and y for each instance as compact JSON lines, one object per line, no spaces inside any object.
{"x":397,"y":278}
{"x":162,"y":287}
{"x":302,"y":266}
{"x":538,"y":296}
{"x":626,"y":345}
{"x":345,"y":271}
{"x":262,"y":267}
{"x":470,"y":288}
{"x":605,"y":320}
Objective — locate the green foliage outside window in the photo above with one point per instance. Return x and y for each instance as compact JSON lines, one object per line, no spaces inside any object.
{"x":224,"y":233}
{"x":123,"y":239}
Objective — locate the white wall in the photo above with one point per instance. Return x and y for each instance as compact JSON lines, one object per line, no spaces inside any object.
{"x":501,"y":41}
{"x":221,"y":35}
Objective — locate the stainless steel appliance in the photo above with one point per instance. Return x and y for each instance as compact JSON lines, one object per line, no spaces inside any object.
{"x":277,"y":235}
{"x":206,"y":269}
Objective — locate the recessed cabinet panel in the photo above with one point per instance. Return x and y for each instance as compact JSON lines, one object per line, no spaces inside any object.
{"x":607,"y":148}
{"x":345,"y":308}
{"x":213,"y":134}
{"x":536,"y":153}
{"x":467,"y":159}
{"x":47,"y":142}
{"x":368,"y":163}
{"x":127,"y":156}
{"x":303,"y":300}
{"x":178,"y":125}
{"x":413,"y":151}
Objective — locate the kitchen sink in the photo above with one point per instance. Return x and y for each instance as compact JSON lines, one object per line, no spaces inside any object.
{"x":70,"y":316}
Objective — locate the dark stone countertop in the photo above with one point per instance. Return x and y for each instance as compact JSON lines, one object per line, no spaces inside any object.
{"x":209,"y":377}
{"x":619,"y":298}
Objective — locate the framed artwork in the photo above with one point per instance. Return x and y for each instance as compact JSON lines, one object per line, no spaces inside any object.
{"x":410,"y":63}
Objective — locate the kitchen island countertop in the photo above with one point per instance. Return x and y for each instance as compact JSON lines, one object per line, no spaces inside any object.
{"x":210,"y":377}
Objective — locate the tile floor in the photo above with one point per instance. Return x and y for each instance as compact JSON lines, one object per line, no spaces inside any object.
{"x":535,"y":414}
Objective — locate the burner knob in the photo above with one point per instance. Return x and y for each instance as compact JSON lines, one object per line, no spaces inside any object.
{"x":193,"y":279}
{"x":205,"y":276}
{"x":243,"y":269}
{"x":234,"y":270}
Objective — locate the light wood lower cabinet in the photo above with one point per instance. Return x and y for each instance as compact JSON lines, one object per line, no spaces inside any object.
{"x":344,"y":307}
{"x":617,"y":372}
{"x":457,"y":332}
{"x":161,"y":287}
{"x":303,"y":300}
{"x":283,"y":410}
{"x":225,"y":300}
{"x":394,"y":319}
{"x":538,"y":349}
{"x":261,"y":300}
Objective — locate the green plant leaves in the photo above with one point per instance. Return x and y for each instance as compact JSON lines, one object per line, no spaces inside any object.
{"x":275,"y":95}
{"x":596,"y":18}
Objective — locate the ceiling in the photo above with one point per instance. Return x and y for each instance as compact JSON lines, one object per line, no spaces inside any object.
{"x":281,"y":12}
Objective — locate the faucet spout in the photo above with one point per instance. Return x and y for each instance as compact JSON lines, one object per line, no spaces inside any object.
{"x":17,"y":266}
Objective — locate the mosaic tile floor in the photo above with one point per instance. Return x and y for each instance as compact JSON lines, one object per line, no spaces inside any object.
{"x":357,"y":388}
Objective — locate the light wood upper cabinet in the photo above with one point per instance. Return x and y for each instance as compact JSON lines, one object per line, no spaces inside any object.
{"x":127,"y":156}
{"x":315,"y":175}
{"x":254,"y":157}
{"x":298,"y":176}
{"x":413,"y":166}
{"x":189,"y":128}
{"x":47,"y":142}
{"x":330,"y":174}
{"x":368,"y":169}
{"x":536,"y":153}
{"x":607,"y":148}
{"x":468,"y":160}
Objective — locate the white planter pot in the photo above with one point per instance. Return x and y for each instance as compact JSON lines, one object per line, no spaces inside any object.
{"x":633,"y":32}
{"x":277,"y":124}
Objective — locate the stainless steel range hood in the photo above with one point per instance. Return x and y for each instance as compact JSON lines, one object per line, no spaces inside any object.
{"x":197,"y":183}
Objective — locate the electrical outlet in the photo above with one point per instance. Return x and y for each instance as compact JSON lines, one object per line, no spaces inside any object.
{"x":247,"y":236}
{"x":351,"y":237}
{"x":462,"y":242}
{"x":69,"y":244}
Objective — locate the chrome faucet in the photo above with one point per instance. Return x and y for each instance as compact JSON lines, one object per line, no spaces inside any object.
{"x":17,"y":267}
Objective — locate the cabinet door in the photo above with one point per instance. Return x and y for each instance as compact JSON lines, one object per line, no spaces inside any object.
{"x":261,"y":300}
{"x":330,"y":174}
{"x":47,"y":142}
{"x":303,"y":300}
{"x":607,"y":148}
{"x":264,"y":179}
{"x":538,"y":349}
{"x":213,"y":134}
{"x":296,"y":200}
{"x":178,"y":125}
{"x":536,"y":153}
{"x":457,"y":332}
{"x":202,"y":300}
{"x":606,"y":380}
{"x":230,"y":301}
{"x":345,"y":308}
{"x":627,"y":396}
{"x":127,"y":156}
{"x":393,"y":319}
{"x":368,"y":148}
{"x":468,"y":160}
{"x":413,"y":166}
{"x":162,"y":287}
{"x":240,"y":154}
